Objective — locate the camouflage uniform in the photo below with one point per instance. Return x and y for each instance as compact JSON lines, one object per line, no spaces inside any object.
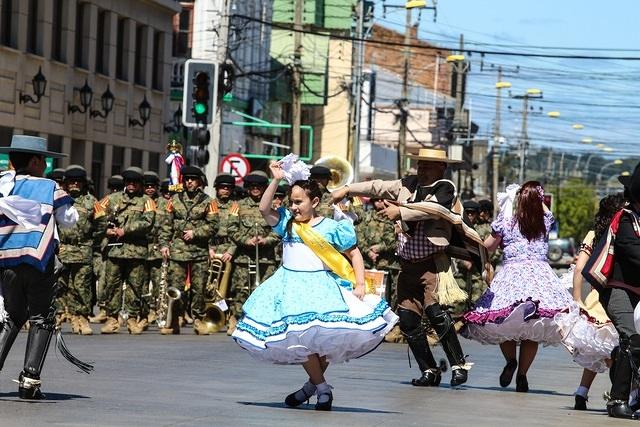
{"x":76,"y":253}
{"x":189,"y":259}
{"x":325,"y":207}
{"x":126,"y":256}
{"x":242,"y":282}
{"x":378,"y":234}
{"x":154,"y":257}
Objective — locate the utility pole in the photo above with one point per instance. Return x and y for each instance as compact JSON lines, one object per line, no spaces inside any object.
{"x":461,"y":68}
{"x":357,"y":92}
{"x":524,"y":142}
{"x":296,"y":91}
{"x":495,"y":158}
{"x":404,"y":101}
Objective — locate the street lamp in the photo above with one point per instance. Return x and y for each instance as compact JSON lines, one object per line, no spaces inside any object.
{"x":39,"y":83}
{"x":86,"y":95}
{"x":106,"y":101}
{"x":577,"y":126}
{"x":615,"y":162}
{"x":532,"y":93}
{"x":144,"y":110}
{"x":553,"y":114}
{"x":586,"y":140}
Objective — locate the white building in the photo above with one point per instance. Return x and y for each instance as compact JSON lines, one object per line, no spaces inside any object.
{"x":122,"y":45}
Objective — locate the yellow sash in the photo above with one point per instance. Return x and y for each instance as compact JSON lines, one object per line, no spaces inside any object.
{"x":325,"y":251}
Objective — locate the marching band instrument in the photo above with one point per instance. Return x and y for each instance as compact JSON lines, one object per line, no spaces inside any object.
{"x":341,"y":171}
{"x":168,"y":297}
{"x":214,"y":295}
{"x":123,"y":313}
{"x":257,"y":283}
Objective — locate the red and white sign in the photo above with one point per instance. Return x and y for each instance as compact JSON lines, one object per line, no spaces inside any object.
{"x":237,"y":165}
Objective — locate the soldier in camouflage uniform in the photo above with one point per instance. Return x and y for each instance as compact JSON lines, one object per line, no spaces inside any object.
{"x":222,"y":244}
{"x":164,"y":189}
{"x":191,"y":219}
{"x":114,"y":185}
{"x":151,"y":182}
{"x":322,"y":175}
{"x":280,"y":198}
{"x":253,"y":230}
{"x":75,"y":252}
{"x":483,"y":227}
{"x":57,"y":175}
{"x":130,"y":217}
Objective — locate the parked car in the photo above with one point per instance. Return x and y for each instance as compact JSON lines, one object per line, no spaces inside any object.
{"x":561,"y":251}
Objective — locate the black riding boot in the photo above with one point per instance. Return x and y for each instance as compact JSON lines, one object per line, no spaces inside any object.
{"x":8,"y":333}
{"x":37,"y":345}
{"x":442,"y":323}
{"x":412,"y":329}
{"x":618,"y":404}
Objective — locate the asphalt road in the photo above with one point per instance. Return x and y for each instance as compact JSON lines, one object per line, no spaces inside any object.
{"x":153,"y":380}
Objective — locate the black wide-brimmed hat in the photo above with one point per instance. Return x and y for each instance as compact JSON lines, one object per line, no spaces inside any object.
{"x":626,"y":179}
{"x":633,"y":185}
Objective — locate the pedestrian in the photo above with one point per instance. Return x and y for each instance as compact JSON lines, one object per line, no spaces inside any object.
{"x":621,"y":295}
{"x":525,"y":294}
{"x":428,"y":217}
{"x":27,"y":261}
{"x":308,"y":312}
{"x":602,"y":338}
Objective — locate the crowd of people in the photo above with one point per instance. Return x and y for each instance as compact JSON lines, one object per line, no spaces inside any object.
{"x":289,"y":262}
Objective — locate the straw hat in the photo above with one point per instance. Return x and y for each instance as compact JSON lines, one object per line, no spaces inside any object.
{"x":433,"y":155}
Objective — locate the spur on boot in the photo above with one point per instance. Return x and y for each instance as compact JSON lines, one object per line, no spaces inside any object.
{"x":619,"y":409}
{"x":298,"y":397}
{"x":522,"y":385}
{"x":429,"y":378}
{"x":29,"y":388}
{"x":325,"y":400}
{"x":507,"y":373}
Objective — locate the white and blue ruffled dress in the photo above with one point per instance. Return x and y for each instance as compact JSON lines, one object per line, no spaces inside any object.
{"x":304,"y":308}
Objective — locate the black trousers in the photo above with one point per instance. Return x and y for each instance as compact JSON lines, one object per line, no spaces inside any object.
{"x":29,"y":294}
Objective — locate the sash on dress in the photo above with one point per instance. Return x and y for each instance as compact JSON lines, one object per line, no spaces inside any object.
{"x":325,"y":251}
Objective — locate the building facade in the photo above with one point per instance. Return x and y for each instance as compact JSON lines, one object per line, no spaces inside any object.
{"x":87,"y":49}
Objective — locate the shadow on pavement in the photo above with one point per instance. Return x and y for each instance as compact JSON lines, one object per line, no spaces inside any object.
{"x":280,"y":405}
{"x":512,"y":390}
{"x":51,"y":397}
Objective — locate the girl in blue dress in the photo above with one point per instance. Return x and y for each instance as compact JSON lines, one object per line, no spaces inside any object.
{"x":305,"y":313}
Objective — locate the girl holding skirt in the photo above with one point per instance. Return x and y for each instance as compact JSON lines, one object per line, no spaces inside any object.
{"x":313,"y":310}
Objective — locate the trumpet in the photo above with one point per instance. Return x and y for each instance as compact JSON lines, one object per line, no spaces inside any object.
{"x":214,"y":295}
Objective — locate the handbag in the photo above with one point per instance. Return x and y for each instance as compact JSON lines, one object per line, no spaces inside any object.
{"x":599,"y":267}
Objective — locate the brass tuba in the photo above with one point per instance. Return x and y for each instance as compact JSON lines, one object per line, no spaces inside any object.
{"x":168,"y":301}
{"x":341,"y":171}
{"x":214,"y":316}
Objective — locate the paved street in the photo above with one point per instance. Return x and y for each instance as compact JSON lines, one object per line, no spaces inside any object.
{"x":190,"y":380}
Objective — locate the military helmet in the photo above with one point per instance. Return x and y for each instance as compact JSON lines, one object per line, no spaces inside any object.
{"x":186,"y":171}
{"x":486,"y":205}
{"x":75,"y":171}
{"x":471,"y":205}
{"x":57,"y":174}
{"x":115,"y":182}
{"x":164,"y":185}
{"x":282,"y":190}
{"x":132,"y":173}
{"x":224,"y":179}
{"x":320,"y":172}
{"x":259,"y":178}
{"x":151,"y":178}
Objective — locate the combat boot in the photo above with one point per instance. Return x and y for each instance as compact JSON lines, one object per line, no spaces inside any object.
{"x":232,"y":325}
{"x":152,"y":317}
{"x":101,"y":317}
{"x":111,"y":326}
{"x":74,"y":325}
{"x":133,"y":326}
{"x":200,"y":327}
{"x":394,"y":336}
{"x":143,"y":324}
{"x":82,"y":326}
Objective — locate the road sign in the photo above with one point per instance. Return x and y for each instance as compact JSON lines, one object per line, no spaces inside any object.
{"x":237,"y":165}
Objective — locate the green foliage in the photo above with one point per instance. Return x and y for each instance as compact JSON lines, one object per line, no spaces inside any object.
{"x":576,"y":205}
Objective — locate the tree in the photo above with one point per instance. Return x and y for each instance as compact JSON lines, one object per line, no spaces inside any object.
{"x":576,"y":207}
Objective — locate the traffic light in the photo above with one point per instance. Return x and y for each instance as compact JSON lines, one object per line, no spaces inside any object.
{"x":199,"y":98}
{"x":200,"y":138}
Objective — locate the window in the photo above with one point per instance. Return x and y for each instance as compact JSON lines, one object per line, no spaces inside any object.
{"x":80,"y":60}
{"x":77,"y":151}
{"x":32,"y":32}
{"x":158,"y":63}
{"x":117,"y":160}
{"x":102,"y":51}
{"x":154,"y":162}
{"x":54,"y":143}
{"x":136,"y":157}
{"x":97,"y":165}
{"x":7,"y":24}
{"x":121,"y":72}
{"x":56,"y":31}
{"x":181,"y":35}
{"x":5,"y":136}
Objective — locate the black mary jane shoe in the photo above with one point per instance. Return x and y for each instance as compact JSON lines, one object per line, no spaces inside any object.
{"x":458,"y":376}
{"x":507,"y":373}
{"x":581,"y":403}
{"x":619,"y":409}
{"x":522,"y":385}
{"x":293,"y":402}
{"x":429,"y":378}
{"x":29,"y":388}
{"x":324,"y":406}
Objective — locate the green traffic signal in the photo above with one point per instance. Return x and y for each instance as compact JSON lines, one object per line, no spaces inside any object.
{"x":200,"y":108}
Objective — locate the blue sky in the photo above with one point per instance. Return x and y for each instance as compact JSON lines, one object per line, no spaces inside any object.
{"x":610,"y":89}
